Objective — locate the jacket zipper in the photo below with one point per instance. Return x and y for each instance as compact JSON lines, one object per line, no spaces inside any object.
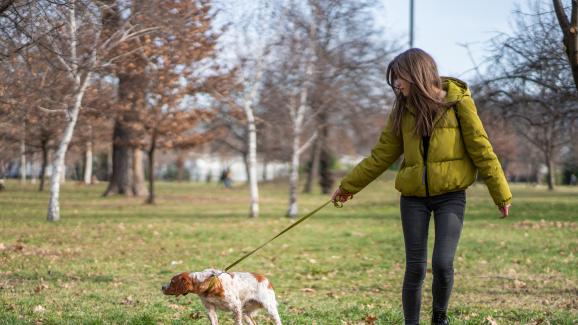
{"x":425,"y":178}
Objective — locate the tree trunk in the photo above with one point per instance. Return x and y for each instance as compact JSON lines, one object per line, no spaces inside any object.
{"x":151,"y":158}
{"x":88,"y":163}
{"x":326,"y":178}
{"x":23,"y":158}
{"x":120,"y":178}
{"x":570,"y":38}
{"x":130,"y":95}
{"x":109,"y":163}
{"x":245,"y":156}
{"x":313,"y":168}
{"x":138,"y":178}
{"x":59,"y":157}
{"x":251,"y":98}
{"x":2,"y":176}
{"x":33,"y":175}
{"x":252,"y":159}
{"x":180,"y":166}
{"x":294,"y":177}
{"x":44,"y":147}
{"x":297,"y":117}
{"x":550,"y":175}
{"x":264,"y":172}
{"x":63,"y":172}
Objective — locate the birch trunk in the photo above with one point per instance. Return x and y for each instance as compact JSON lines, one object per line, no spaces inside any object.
{"x":79,"y":86}
{"x":294,"y":174}
{"x":297,"y":117}
{"x":63,"y":172}
{"x":252,"y":142}
{"x":88,"y":163}
{"x":59,"y":157}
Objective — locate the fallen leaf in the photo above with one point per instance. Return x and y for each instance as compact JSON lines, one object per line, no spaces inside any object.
{"x":39,"y":309}
{"x":370,"y":320}
{"x":307,"y":290}
{"x":128,"y":300}
{"x":176,"y":307}
{"x":40,"y":287}
{"x":491,"y":321}
{"x":519,"y":284}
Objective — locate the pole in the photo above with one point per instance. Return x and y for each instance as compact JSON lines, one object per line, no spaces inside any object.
{"x":411,"y":18}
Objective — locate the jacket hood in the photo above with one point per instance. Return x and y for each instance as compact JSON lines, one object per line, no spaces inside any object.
{"x":456,"y":89}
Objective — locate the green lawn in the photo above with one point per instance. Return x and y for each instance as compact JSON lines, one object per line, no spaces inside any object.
{"x":105,"y":261}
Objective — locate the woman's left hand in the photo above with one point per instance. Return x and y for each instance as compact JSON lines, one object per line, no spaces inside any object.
{"x":505,"y":210}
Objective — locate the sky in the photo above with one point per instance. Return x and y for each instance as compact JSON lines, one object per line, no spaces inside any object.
{"x":442,"y":25}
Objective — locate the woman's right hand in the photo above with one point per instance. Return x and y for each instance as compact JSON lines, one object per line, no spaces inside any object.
{"x":340,"y":195}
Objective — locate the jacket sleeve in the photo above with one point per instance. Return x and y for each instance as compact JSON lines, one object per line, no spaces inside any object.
{"x":481,"y":152}
{"x":388,"y":148}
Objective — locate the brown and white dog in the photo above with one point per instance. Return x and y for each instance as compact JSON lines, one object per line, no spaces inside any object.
{"x":242,"y":293}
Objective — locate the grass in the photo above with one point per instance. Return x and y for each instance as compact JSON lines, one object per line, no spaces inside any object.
{"x":105,"y":261}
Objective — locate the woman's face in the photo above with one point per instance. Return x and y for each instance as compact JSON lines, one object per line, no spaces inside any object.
{"x":401,"y":86}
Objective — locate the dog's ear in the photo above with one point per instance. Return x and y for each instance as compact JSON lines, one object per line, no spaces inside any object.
{"x":185,"y":284}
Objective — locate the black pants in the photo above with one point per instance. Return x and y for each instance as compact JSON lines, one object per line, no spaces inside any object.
{"x":448,"y":212}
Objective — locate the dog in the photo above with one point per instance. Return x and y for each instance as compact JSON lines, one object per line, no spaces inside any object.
{"x":241,"y":293}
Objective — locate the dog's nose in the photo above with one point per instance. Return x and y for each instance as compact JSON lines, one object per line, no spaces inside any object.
{"x":163,"y":288}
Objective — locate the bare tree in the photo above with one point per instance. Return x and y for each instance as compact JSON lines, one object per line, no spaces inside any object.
{"x":569,"y":29}
{"x":349,"y":57}
{"x":532,"y":85}
{"x":76,"y":47}
{"x":242,"y":97}
{"x":18,"y":27}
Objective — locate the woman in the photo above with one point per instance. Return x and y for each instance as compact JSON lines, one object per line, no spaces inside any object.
{"x":435,"y":125}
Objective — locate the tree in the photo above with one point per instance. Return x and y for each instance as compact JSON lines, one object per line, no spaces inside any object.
{"x":183,"y":44}
{"x":329,"y":71}
{"x":127,"y":176}
{"x":288,"y":88}
{"x":569,"y":29}
{"x":532,"y":85}
{"x":349,"y":57}
{"x":251,"y":52}
{"x":75,"y":46}
{"x":18,"y":28}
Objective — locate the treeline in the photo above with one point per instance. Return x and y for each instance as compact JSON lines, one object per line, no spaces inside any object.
{"x":296,"y":81}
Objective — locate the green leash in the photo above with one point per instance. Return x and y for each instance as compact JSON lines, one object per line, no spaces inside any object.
{"x":305,"y":217}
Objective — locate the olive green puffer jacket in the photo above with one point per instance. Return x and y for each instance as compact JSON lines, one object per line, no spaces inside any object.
{"x":454,"y":156}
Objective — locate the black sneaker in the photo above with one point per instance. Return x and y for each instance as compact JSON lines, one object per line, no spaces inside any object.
{"x":439,"y":318}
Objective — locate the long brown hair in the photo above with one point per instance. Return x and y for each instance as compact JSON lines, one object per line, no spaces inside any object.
{"x":419,"y":69}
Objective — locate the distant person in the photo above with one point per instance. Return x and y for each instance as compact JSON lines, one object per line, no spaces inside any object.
{"x":573,"y":179}
{"x":442,"y":154}
{"x":226,"y":178}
